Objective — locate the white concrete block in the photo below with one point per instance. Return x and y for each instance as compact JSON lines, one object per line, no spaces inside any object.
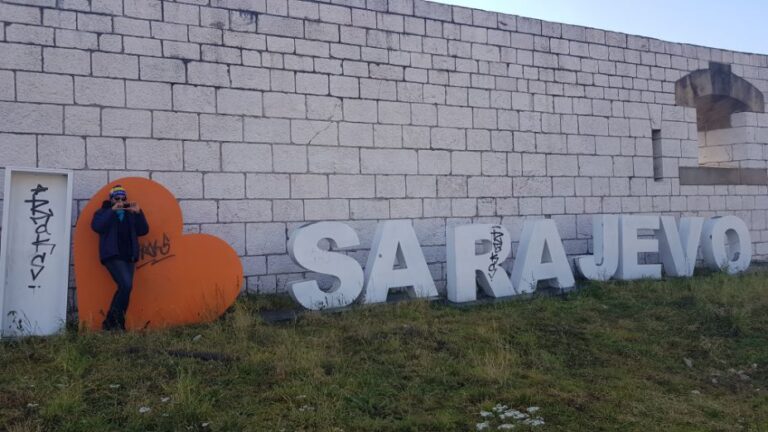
{"x":388,"y":161}
{"x":326,"y":209}
{"x":199,"y":211}
{"x":284,"y":105}
{"x":105,"y":153}
{"x":70,"y":61}
{"x":489,"y":186}
{"x":267,"y":130}
{"x":466,"y":163}
{"x":312,"y":83}
{"x":159,"y":69}
{"x":99,"y":91}
{"x":333,"y":160}
{"x":148,"y":95}
{"x":232,"y":233}
{"x":49,"y":88}
{"x":355,"y":134}
{"x":18,"y":150}
{"x":181,"y":184}
{"x":246,"y":157}
{"x":126,"y":122}
{"x":221,"y":127}
{"x":448,"y":138}
{"x":309,"y":186}
{"x":356,"y":110}
{"x":34,"y":118}
{"x":266,"y":238}
{"x":212,"y":74}
{"x":148,"y":154}
{"x":289,"y":158}
{"x":351,"y":186}
{"x":202,"y":156}
{"x":242,"y":102}
{"x":314,"y":132}
{"x":146,"y":9}
{"x":224,"y":185}
{"x":390,"y":186}
{"x":267,"y":186}
{"x":166,"y":124}
{"x":61,"y":152}
{"x":115,"y":65}
{"x":245,"y":210}
{"x":249,"y":77}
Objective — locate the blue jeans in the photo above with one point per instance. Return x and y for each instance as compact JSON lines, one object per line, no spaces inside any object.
{"x":122,"y":274}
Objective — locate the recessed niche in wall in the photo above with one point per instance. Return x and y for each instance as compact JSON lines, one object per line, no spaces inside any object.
{"x":726,"y":120}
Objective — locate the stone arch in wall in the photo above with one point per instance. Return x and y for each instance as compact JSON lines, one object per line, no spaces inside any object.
{"x":725,"y":105}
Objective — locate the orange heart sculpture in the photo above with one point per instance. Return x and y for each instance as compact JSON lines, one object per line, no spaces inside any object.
{"x":179,"y":279}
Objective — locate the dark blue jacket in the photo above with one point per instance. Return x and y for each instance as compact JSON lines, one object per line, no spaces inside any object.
{"x":105,"y":223}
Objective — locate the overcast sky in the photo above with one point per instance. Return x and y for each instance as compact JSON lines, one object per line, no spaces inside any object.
{"x":740,"y":25}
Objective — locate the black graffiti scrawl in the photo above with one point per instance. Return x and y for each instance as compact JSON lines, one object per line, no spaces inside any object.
{"x":498,"y":241}
{"x":154,"y":252}
{"x":40,"y":214}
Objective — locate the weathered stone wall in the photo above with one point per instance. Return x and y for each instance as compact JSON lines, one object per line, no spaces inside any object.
{"x":741,"y":145}
{"x":264,"y":114}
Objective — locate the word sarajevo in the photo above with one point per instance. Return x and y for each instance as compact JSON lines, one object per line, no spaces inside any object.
{"x":474,"y":253}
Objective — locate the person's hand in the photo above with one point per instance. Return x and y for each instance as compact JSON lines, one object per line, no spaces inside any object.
{"x":117,"y":205}
{"x":134,"y":207}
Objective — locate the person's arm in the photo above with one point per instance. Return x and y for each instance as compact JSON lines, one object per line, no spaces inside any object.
{"x":142,"y":227}
{"x":102,"y":219}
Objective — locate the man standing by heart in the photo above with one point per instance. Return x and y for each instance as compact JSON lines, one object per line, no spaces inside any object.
{"x":119,"y":223}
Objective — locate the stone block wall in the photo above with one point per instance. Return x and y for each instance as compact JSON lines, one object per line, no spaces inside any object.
{"x":261,"y":115}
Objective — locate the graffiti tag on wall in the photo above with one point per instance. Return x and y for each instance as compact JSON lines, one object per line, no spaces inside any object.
{"x":497,"y":235}
{"x":40,"y":215}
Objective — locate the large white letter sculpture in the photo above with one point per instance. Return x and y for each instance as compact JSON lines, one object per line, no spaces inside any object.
{"x":602,"y":265}
{"x":678,"y":247}
{"x":396,"y":260}
{"x":303,"y":249}
{"x":631,"y":245}
{"x":395,"y":243}
{"x":540,"y":256}
{"x":727,"y":244}
{"x":465,"y":267}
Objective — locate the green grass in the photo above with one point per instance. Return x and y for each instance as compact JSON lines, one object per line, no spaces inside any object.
{"x":608,"y":357}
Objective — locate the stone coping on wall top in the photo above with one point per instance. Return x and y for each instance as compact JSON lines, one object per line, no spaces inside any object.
{"x":722,"y":176}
